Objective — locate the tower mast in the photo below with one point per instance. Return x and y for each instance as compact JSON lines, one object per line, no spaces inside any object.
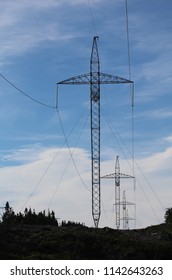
{"x":125,"y":212}
{"x":95,"y":130}
{"x":117,"y":192}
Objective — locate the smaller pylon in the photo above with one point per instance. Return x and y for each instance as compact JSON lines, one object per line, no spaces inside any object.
{"x":126,"y":218}
{"x":125,"y":211}
{"x":117,"y":176}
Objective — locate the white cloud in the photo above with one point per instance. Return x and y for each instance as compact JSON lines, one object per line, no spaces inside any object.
{"x":161,"y":113}
{"x":24,"y":154}
{"x":48,"y":178}
{"x":169,"y":138}
{"x":158,"y":162}
{"x":21,"y":180}
{"x":150,"y":53}
{"x":24,"y":26}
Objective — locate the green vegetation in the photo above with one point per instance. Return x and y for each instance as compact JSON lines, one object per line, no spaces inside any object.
{"x":168,"y":216}
{"x":28,"y":218}
{"x":22,"y":236}
{"x":78,"y":242}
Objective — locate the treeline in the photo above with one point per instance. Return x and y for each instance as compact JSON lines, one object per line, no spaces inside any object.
{"x":71,"y":224}
{"x":30,"y":217}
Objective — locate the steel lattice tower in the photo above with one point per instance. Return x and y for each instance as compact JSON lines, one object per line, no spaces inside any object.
{"x":117,"y":191}
{"x":125,"y":211}
{"x":126,"y":217}
{"x":94,"y":79}
{"x":117,"y":176}
{"x":95,"y":130}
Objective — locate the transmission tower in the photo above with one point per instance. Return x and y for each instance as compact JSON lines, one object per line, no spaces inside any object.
{"x":126,"y":217}
{"x":117,"y":176}
{"x":94,"y":78}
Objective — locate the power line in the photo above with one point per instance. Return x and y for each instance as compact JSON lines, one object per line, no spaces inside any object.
{"x":92,"y":17}
{"x":135,"y":162}
{"x":132,"y":99}
{"x":40,"y":180}
{"x":128,"y":39}
{"x":25,"y":94}
{"x":55,"y":191}
{"x":111,"y":128}
{"x":129,"y":74}
{"x":64,"y":134}
{"x":53,"y":160}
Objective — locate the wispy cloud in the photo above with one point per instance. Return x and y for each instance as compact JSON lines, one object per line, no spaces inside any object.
{"x":60,"y":184}
{"x":161,"y":113}
{"x":22,"y":155}
{"x":157,"y":162}
{"x":24,"y":25}
{"x":168,"y":138}
{"x":61,"y":188}
{"x":150,"y":52}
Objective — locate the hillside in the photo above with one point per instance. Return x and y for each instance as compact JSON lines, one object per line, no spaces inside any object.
{"x":81,"y":242}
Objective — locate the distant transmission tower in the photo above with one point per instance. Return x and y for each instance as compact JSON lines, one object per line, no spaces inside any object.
{"x":94,"y":78}
{"x":126,"y":217}
{"x":117,"y":176}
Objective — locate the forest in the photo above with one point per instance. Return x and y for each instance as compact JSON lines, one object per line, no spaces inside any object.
{"x":30,"y":217}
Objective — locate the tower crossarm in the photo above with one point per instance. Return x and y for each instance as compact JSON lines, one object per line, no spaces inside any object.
{"x":85,"y":79}
{"x":126,"y":203}
{"x":112,"y":79}
{"x":129,"y":203}
{"x":114,"y":175}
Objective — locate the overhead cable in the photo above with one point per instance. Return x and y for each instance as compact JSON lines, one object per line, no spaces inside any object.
{"x":111,"y":128}
{"x":64,"y":134}
{"x":132,"y":96}
{"x":107,"y":118}
{"x":65,"y":169}
{"x":25,"y":94}
{"x":128,"y":39}
{"x":52,"y":161}
{"x":92,"y":17}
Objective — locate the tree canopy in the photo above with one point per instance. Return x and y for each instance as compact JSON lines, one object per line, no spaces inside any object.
{"x":29,"y":217}
{"x":168,"y":216}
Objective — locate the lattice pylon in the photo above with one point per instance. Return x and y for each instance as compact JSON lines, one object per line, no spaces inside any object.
{"x":95,"y":78}
{"x":117,"y":176}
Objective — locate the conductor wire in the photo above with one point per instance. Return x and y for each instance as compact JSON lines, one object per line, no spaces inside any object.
{"x":52,"y":161}
{"x":25,"y":94}
{"x":92,"y":17}
{"x":129,"y":73}
{"x":64,"y":134}
{"x":128,"y":39}
{"x":68,"y":162}
{"x":132,"y":98}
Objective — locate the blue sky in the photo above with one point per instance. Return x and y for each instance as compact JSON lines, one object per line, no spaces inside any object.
{"x":45,"y":42}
